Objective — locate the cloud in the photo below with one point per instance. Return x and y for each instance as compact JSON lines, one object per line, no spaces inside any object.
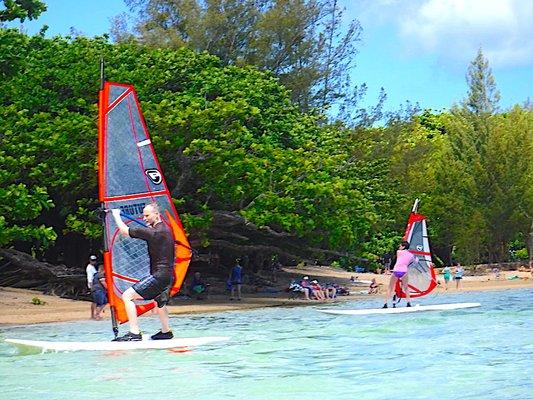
{"x":453,"y":30}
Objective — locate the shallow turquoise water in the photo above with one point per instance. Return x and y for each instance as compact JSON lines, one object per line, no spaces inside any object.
{"x":295,"y":353}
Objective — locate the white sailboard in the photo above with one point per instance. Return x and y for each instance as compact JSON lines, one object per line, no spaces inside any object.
{"x":360,"y":282}
{"x":144,"y":344}
{"x":402,"y":310}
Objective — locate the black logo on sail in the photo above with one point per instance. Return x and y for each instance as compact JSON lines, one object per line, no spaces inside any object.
{"x":154,"y":175}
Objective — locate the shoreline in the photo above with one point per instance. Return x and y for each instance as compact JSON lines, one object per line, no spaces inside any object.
{"x":16,"y":307}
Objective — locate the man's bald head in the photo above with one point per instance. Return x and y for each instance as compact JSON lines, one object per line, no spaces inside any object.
{"x":151,"y":214}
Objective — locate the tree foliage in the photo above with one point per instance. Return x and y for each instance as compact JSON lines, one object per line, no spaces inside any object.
{"x":229,"y":138}
{"x":470,"y":167}
{"x":472,"y":186}
{"x":21,"y":9}
{"x":302,"y":42}
{"x":483,"y":95}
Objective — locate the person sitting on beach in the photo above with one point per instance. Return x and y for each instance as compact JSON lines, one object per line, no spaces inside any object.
{"x":306,"y":284}
{"x":341,"y":290}
{"x":295,"y":288}
{"x":198,"y":288}
{"x":318,"y":291}
{"x":374,"y":287}
{"x":330,"y":290}
{"x":404,"y":258}
{"x":99,"y":292}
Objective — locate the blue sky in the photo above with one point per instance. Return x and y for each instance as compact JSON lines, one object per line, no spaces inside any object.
{"x":418,"y":50}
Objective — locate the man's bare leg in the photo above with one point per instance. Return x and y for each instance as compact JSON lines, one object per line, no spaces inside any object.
{"x":128,"y":296}
{"x":163,"y":317}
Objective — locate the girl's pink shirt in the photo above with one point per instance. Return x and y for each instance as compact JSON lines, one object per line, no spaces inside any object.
{"x":403,"y":259}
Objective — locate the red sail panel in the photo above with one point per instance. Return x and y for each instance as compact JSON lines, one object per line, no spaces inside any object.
{"x":183,"y":253}
{"x":129,"y":178}
{"x":422,"y":276}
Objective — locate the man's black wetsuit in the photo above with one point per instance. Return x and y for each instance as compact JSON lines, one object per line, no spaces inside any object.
{"x":161,"y":251}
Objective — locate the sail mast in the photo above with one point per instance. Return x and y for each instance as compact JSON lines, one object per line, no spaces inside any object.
{"x":101,"y":132}
{"x":415,"y":206}
{"x":102,"y":73}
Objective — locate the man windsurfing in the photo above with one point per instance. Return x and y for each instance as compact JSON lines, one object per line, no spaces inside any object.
{"x":154,"y":286}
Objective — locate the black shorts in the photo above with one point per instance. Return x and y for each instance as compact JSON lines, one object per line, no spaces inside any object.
{"x":150,"y":287}
{"x":99,"y":297}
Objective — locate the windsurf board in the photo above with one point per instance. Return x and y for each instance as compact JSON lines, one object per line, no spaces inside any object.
{"x":144,"y":344}
{"x":402,"y":310}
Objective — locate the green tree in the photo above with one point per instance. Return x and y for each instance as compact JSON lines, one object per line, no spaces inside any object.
{"x":470,"y":172}
{"x":457,"y":198}
{"x":483,"y":95}
{"x":21,"y":9}
{"x":509,"y":165}
{"x":301,"y":41}
{"x":45,"y":129}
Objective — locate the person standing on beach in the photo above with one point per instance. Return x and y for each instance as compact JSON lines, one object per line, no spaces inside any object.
{"x":447,"y":275}
{"x":400,"y":272}
{"x":98,"y":291}
{"x":458,"y":274}
{"x":235,"y":279}
{"x":387,"y":261}
{"x":90,"y":270}
{"x":156,"y":285}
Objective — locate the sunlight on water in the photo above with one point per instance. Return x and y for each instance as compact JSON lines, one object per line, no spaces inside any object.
{"x":294,"y":353}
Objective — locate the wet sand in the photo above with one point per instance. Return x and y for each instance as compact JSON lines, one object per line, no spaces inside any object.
{"x":17,"y":308}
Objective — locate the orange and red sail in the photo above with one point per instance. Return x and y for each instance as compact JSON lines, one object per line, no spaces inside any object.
{"x":130,"y":177}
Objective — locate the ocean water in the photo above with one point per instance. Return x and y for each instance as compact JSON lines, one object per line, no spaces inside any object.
{"x":296,"y":353}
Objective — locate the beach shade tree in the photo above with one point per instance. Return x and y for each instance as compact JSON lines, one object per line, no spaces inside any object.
{"x":229,"y":139}
{"x":48,"y":135}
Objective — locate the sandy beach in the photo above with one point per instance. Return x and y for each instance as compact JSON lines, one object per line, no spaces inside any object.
{"x":17,"y":305}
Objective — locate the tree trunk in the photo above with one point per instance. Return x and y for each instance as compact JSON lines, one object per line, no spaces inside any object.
{"x":21,"y":270}
{"x":232,"y":237}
